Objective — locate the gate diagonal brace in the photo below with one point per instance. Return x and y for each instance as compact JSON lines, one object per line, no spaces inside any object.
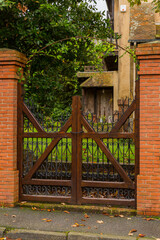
{"x":48,"y":150}
{"x":117,"y":166}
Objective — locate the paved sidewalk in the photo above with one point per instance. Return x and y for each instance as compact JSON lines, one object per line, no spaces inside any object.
{"x":32,"y":224}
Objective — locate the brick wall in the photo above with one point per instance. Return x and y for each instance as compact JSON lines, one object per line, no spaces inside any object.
{"x":10,"y":62}
{"x":148,"y":182}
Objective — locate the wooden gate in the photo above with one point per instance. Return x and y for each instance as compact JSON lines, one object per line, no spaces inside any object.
{"x":79,"y":159}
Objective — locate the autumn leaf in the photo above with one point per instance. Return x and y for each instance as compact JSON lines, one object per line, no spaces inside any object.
{"x":47,"y":220}
{"x":130,"y":234}
{"x":83,"y":220}
{"x":133,"y":230}
{"x":34,"y":208}
{"x":122,"y":216}
{"x":49,"y":210}
{"x":100,"y":221}
{"x":141,"y":235}
{"x":75,"y":225}
{"x":106,"y":214}
{"x":66,"y":212}
{"x":148,"y":219}
{"x":86,"y":216}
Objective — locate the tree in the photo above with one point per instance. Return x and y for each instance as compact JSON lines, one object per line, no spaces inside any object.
{"x":57,"y":36}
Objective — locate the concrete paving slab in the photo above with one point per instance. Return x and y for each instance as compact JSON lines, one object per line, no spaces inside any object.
{"x":35,"y":235}
{"x":96,"y":223}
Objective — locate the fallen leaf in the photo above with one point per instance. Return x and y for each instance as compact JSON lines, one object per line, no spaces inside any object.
{"x":34,"y":208}
{"x":130,"y":234}
{"x":111,"y":216}
{"x":106,"y":214}
{"x":141,"y":235}
{"x":122,"y":216}
{"x":13,"y":216}
{"x":148,"y":219}
{"x":74,"y":225}
{"x":47,"y":220}
{"x":49,"y":210}
{"x":86,"y":216}
{"x":128,"y":218}
{"x":66,"y":212}
{"x":89,"y":227}
{"x":5,"y":214}
{"x":99,"y":221}
{"x":63,"y":203}
{"x":82,"y":225}
{"x":116,"y":215}
{"x":53,"y":209}
{"x":133,"y":230}
{"x":83,"y":220}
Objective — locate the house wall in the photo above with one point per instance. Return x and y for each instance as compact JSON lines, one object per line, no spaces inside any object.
{"x":120,"y":26}
{"x":137,"y":23}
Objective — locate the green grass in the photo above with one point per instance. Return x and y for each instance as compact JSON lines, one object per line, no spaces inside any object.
{"x":122,"y":149}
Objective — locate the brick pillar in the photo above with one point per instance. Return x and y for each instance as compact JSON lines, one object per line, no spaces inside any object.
{"x":148,"y":182}
{"x":10,"y":62}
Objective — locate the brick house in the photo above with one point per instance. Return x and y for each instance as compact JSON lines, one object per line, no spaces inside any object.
{"x":101,"y":91}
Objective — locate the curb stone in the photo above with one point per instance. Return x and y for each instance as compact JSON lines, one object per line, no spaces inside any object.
{"x":90,"y":236}
{"x":2,"y":231}
{"x":45,"y":235}
{"x":36,"y":235}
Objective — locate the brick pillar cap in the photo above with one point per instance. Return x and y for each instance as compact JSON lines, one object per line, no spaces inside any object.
{"x":150,"y":48}
{"x":10,"y":55}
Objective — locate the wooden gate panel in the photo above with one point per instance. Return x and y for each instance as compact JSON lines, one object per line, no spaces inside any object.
{"x":77,"y":160}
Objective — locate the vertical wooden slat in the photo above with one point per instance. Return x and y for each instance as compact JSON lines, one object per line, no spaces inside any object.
{"x":79,"y":151}
{"x":19,"y":135}
{"x":74,"y":150}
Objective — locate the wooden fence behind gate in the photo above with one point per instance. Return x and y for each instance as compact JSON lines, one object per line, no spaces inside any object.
{"x":79,"y":159}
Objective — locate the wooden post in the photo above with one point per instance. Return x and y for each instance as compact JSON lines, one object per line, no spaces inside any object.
{"x":76,"y":150}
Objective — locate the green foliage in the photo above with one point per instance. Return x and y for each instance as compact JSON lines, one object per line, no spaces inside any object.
{"x":156,"y":3}
{"x":58,"y":39}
